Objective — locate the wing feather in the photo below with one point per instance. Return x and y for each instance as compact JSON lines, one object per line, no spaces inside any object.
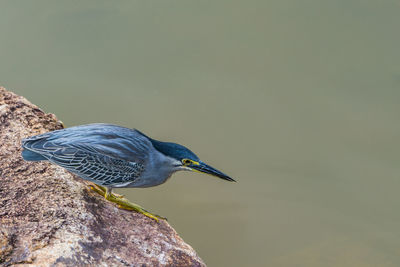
{"x":102,"y":153}
{"x":101,"y":169}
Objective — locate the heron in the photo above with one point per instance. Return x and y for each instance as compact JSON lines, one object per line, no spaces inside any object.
{"x":112,"y":156}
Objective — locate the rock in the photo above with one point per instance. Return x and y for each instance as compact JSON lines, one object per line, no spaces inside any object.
{"x":49,"y":217}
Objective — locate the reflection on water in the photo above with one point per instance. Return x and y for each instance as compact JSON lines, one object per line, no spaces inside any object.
{"x":297,"y":100}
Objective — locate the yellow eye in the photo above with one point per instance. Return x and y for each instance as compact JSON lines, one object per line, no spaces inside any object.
{"x":186,"y":162}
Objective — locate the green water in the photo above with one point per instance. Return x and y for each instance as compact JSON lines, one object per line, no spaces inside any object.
{"x":297,"y":100}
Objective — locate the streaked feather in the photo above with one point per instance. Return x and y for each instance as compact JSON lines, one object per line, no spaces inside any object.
{"x":105,"y":154}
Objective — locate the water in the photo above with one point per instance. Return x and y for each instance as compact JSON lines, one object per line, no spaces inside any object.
{"x":297,"y":100}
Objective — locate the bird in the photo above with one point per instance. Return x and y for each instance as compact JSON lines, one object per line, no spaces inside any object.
{"x":112,"y":156}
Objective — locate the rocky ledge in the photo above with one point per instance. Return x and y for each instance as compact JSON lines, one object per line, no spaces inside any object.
{"x":49,"y":217}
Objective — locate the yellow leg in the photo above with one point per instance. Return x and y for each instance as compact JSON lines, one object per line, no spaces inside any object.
{"x":122,"y":202}
{"x":102,"y":190}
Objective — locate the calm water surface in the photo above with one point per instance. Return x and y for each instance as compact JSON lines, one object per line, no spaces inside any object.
{"x":297,"y":100}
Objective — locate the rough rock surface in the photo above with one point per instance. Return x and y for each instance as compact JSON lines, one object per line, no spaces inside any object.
{"x":48,"y":217}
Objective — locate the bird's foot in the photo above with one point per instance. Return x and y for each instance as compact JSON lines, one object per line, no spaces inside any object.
{"x":123,"y":203}
{"x":139,"y":209}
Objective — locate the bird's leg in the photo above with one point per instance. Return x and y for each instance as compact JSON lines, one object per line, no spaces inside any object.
{"x":98,"y":189}
{"x":122,"y":202}
{"x":108,"y":193}
{"x":102,"y":190}
{"x":108,"y":190}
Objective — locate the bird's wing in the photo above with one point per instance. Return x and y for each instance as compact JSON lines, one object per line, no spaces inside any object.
{"x":105,"y":154}
{"x":89,"y":163}
{"x":99,"y":168}
{"x":114,"y":141}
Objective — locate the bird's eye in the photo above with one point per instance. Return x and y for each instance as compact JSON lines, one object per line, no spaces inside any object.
{"x":186,"y":162}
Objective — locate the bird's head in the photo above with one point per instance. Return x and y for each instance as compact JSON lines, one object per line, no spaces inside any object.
{"x":187,"y":160}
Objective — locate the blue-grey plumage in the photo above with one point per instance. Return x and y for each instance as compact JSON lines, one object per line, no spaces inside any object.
{"x":114,"y":156}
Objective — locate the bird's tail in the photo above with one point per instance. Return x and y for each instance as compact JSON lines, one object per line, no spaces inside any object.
{"x":32,"y":156}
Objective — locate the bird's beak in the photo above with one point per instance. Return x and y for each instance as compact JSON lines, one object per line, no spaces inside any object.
{"x":204,"y":168}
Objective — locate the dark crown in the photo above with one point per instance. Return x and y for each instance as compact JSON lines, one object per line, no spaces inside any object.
{"x":172,"y":150}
